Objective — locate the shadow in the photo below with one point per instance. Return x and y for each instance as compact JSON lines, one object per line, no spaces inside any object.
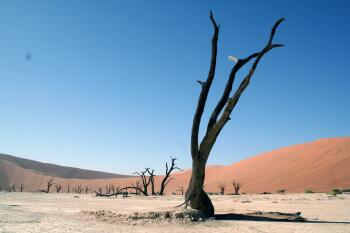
{"x":279,"y":217}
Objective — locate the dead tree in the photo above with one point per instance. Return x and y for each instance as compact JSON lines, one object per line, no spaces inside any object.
{"x":151,"y":178}
{"x":58,"y":188}
{"x":49,"y":184}
{"x":21,"y":187}
{"x":86,"y":189}
{"x":68,"y":188}
{"x":195,"y":195}
{"x":167,"y":177}
{"x":11,"y":188}
{"x":99,"y":190}
{"x":180,"y":189}
{"x":222,"y":187}
{"x":79,"y":189}
{"x":108,"y":189}
{"x":112,"y":188}
{"x":236,"y":186}
{"x":144,"y":180}
{"x":137,"y":187}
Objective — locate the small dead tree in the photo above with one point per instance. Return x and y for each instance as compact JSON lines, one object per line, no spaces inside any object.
{"x":68,"y":188}
{"x":137,"y":187}
{"x":144,"y":180}
{"x":180,"y":189}
{"x":222,"y":187}
{"x":12,"y":188}
{"x":49,"y":184}
{"x":86,"y":189}
{"x":58,"y":188}
{"x":99,"y":190}
{"x":112,"y":188}
{"x":79,"y":189}
{"x":195,"y":196}
{"x":167,"y":177}
{"x":21,"y":187}
{"x":108,"y":189}
{"x":236,"y":186}
{"x":151,"y":178}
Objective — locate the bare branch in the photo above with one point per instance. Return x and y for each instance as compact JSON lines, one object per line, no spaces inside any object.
{"x":211,"y":135}
{"x":205,"y":90}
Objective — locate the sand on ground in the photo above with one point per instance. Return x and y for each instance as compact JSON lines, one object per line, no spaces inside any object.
{"x":40,"y":212}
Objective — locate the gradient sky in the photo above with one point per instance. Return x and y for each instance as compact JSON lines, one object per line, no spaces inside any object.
{"x":111,"y":85}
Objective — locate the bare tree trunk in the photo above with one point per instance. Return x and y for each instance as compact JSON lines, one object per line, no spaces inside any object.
{"x":21,"y":187}
{"x":151,"y":179}
{"x":195,"y":195}
{"x":49,"y":184}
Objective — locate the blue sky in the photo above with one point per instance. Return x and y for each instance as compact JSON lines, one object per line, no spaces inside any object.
{"x":111,"y":85}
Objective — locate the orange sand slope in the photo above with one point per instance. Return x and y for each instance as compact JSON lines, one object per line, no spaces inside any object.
{"x":319,"y":166}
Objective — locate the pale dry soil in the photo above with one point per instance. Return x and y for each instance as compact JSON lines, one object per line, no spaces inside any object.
{"x":40,"y":212}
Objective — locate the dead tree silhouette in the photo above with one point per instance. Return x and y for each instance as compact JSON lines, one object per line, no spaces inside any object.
{"x":49,"y":184}
{"x":21,"y":187}
{"x":195,"y":196}
{"x":58,"y":188}
{"x":222,"y":187}
{"x":236,"y":186}
{"x":151,"y":178}
{"x":144,"y":180}
{"x":180,"y":189}
{"x":167,"y":178}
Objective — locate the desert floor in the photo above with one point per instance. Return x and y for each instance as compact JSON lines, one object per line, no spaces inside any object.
{"x":39,"y":212}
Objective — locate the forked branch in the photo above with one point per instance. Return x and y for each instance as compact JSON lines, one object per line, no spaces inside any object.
{"x":205,"y":89}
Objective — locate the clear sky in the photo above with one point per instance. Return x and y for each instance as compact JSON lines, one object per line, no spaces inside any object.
{"x":111,"y":85}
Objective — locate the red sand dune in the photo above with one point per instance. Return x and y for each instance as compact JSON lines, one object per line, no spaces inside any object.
{"x":319,"y":166}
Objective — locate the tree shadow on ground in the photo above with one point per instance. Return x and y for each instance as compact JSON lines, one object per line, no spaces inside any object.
{"x":271,"y":217}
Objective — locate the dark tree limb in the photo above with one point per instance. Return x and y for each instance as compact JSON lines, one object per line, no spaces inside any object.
{"x":117,"y":192}
{"x":205,"y":89}
{"x":222,"y":102}
{"x":215,"y":129}
{"x":151,"y":179}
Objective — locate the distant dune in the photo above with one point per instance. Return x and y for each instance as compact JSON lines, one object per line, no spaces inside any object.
{"x":319,"y":166}
{"x":58,"y":171}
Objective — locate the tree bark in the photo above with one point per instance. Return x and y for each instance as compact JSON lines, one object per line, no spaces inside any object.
{"x":198,"y":199}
